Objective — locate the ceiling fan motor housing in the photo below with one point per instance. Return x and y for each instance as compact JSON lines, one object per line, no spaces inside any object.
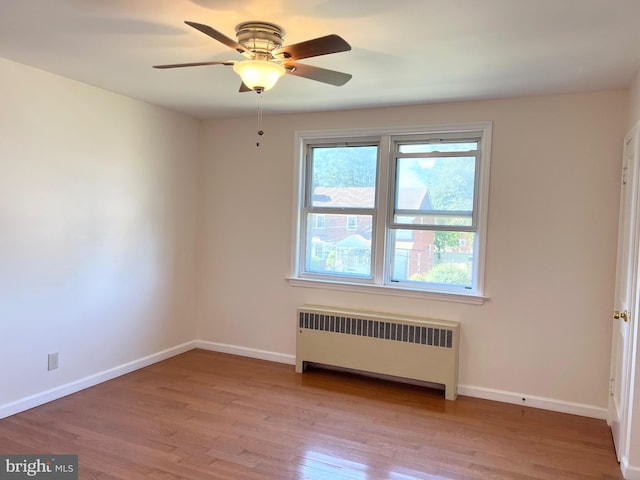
{"x":260,"y":37}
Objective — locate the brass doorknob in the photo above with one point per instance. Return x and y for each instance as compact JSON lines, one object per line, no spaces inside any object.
{"x":623,"y":315}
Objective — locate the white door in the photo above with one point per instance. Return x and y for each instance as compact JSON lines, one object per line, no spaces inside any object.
{"x":624,"y":315}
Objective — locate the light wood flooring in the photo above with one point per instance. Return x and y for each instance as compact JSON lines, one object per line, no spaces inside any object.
{"x":206,"y":415}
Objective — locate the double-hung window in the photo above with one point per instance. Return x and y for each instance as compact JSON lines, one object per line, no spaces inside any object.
{"x":403,"y":211}
{"x":340,"y":186}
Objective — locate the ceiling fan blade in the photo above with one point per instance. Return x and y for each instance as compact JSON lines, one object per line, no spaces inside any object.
{"x":316,"y":73}
{"x":313,"y":48}
{"x":221,"y":37}
{"x":244,"y":88}
{"x":193,"y":64}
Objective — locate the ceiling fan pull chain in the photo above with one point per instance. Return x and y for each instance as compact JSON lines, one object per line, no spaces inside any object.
{"x":260,"y":132}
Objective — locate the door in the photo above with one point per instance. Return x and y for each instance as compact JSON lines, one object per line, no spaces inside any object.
{"x":624,"y":315}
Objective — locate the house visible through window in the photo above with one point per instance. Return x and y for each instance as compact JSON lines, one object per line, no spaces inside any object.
{"x":406,"y":211}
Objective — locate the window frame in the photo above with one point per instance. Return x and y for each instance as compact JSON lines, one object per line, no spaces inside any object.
{"x":392,"y":225}
{"x":382,"y":220}
{"x":305,"y":207}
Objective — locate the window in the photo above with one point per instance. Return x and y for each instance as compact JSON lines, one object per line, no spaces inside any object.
{"x":347,"y":204}
{"x":401,"y":210}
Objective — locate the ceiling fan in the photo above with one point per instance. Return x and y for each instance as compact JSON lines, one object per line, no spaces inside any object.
{"x":267,"y":60}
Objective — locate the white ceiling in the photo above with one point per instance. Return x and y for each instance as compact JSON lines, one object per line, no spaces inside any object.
{"x":404,"y":51}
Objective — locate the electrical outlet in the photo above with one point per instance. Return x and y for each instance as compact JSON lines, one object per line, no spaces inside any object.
{"x":53,"y":361}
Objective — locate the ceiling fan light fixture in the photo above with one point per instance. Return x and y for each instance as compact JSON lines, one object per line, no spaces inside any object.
{"x":259,"y":75}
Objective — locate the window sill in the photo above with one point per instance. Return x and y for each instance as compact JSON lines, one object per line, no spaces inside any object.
{"x":471,"y":299}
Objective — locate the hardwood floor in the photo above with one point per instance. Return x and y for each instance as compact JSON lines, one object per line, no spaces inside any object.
{"x":206,"y":415}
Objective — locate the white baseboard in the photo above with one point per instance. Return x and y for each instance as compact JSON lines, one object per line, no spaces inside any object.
{"x":72,"y":387}
{"x":533,"y":401}
{"x":246,"y":352}
{"x":629,"y":472}
{"x":468,"y":390}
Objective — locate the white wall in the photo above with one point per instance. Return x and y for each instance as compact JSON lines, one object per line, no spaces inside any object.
{"x":546,"y":330}
{"x":98,"y":214}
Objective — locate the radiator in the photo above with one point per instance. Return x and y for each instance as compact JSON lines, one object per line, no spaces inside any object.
{"x":400,"y":346}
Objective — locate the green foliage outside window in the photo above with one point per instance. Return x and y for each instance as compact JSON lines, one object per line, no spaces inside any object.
{"x":447,"y":273}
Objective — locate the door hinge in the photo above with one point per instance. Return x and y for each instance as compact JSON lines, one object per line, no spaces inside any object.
{"x":625,"y":169}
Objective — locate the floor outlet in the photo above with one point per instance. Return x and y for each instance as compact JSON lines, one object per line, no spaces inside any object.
{"x":53,"y":361}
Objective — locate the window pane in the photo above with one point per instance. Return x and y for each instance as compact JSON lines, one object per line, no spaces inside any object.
{"x":436,"y":258}
{"x":434,"y":185}
{"x":342,"y":246}
{"x":343,"y":176}
{"x":437,"y":147}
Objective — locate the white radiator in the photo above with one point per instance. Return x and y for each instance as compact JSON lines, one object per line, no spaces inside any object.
{"x":400,"y":346}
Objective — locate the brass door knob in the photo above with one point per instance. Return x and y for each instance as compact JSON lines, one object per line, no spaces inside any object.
{"x":623,"y":315}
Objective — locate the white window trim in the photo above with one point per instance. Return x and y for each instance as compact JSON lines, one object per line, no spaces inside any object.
{"x":301,"y":136}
